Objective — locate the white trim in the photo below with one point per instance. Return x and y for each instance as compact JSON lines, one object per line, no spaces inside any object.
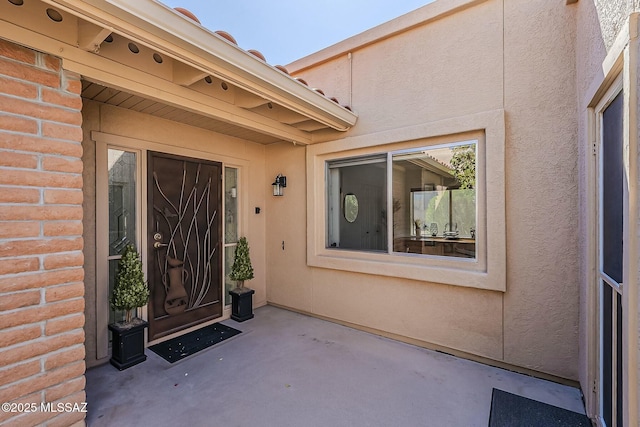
{"x":488,"y":270}
{"x":102,"y":237}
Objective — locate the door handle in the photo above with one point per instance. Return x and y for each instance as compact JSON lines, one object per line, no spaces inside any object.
{"x":158,"y":245}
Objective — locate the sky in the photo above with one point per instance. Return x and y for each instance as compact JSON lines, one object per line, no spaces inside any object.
{"x":286,"y":30}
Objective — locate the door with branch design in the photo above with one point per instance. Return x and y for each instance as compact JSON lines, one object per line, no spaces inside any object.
{"x":184,"y":242}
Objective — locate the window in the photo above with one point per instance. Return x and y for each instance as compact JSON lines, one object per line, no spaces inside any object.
{"x":432,"y":200}
{"x":122,"y":173}
{"x":366,"y":193}
{"x":230,"y":226}
{"x":357,"y":203}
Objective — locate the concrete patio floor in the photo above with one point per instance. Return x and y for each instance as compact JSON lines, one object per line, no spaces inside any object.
{"x":287,"y":369}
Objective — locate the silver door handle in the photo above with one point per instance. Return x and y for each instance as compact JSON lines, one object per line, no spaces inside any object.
{"x":158,"y":245}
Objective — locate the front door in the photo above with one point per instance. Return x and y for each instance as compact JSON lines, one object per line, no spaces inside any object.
{"x":184,"y":242}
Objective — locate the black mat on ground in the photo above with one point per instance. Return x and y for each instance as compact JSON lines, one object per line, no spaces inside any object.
{"x":510,"y":410}
{"x":185,"y":345}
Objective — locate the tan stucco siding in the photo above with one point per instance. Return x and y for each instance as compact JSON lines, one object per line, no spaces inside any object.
{"x":541,"y":305}
{"x":494,"y":55}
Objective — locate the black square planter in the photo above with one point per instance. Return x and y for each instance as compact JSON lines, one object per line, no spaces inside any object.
{"x":127,"y":345}
{"x":241,"y":304}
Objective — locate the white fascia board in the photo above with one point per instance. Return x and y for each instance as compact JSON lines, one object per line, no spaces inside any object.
{"x":168,"y":31}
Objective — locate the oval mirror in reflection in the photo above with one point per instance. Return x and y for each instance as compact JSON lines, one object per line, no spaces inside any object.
{"x":350,"y":207}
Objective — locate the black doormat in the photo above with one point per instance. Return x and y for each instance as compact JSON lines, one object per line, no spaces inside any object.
{"x":510,"y":410}
{"x":185,"y":345}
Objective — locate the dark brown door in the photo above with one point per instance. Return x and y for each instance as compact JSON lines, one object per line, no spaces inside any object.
{"x":184,"y":233}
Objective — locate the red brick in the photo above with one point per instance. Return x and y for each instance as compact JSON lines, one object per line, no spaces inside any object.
{"x":65,"y":389}
{"x":18,"y":372}
{"x":52,"y":63}
{"x":19,"y":299}
{"x":29,"y":419}
{"x":39,"y":179}
{"x":34,"y":349}
{"x":18,"y":124}
{"x":64,"y":292}
{"x":63,"y":197}
{"x":41,"y":145}
{"x":19,"y":195}
{"x":60,"y":164}
{"x":39,"y":280}
{"x":58,"y":131}
{"x":40,"y":212}
{"x":29,"y":73}
{"x":68,"y":419}
{"x":17,"y":229}
{"x":19,"y":334}
{"x":39,"y":110}
{"x":17,"y":160}
{"x":74,"y":86}
{"x":64,"y":324}
{"x":52,"y":262}
{"x":18,"y":265}
{"x":36,"y":247}
{"x":18,"y":88}
{"x":61,"y":98}
{"x":17,"y":52}
{"x":64,"y":357}
{"x":63,"y":228}
{"x":31,"y":398}
{"x":42,"y":381}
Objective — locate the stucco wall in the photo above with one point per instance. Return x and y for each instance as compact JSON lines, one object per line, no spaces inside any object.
{"x":492,"y":55}
{"x":164,"y":135}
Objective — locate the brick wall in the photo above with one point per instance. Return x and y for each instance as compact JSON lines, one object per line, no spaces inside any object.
{"x":41,"y":274}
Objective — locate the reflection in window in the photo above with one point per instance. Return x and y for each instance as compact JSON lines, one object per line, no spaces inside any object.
{"x":230,"y":226}
{"x":350,"y":207}
{"x":365,"y":177}
{"x":231,"y":204}
{"x":433,"y":201}
{"x":122,"y":200}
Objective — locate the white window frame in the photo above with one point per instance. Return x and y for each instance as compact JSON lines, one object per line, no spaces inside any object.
{"x":487,"y":270}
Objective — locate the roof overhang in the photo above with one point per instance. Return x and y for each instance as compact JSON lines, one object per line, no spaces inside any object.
{"x":197,"y":52}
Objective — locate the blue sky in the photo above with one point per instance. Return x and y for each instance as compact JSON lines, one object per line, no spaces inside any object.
{"x":286,"y":30}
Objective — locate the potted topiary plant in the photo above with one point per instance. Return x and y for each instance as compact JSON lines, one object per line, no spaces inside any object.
{"x":129,"y":293}
{"x":241,"y":297}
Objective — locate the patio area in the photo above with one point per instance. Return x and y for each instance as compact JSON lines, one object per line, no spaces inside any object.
{"x":287,"y":369}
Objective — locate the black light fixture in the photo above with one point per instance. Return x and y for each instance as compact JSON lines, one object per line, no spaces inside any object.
{"x":279,"y":184}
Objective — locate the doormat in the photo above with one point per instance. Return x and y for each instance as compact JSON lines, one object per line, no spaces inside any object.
{"x":185,"y":345}
{"x":510,"y":410}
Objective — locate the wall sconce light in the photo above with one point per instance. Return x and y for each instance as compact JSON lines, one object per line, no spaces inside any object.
{"x":233,"y":192}
{"x":279,"y":184}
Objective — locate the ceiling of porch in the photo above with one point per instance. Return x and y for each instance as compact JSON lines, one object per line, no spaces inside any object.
{"x":122,"y":99}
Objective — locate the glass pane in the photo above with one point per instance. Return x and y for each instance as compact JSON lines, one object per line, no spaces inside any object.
{"x":607,"y":353}
{"x":114,"y":315}
{"x":434,"y":200}
{"x":229,"y":284}
{"x":364,"y":180}
{"x":231,"y":204}
{"x":122,"y":200}
{"x":612,"y":189}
